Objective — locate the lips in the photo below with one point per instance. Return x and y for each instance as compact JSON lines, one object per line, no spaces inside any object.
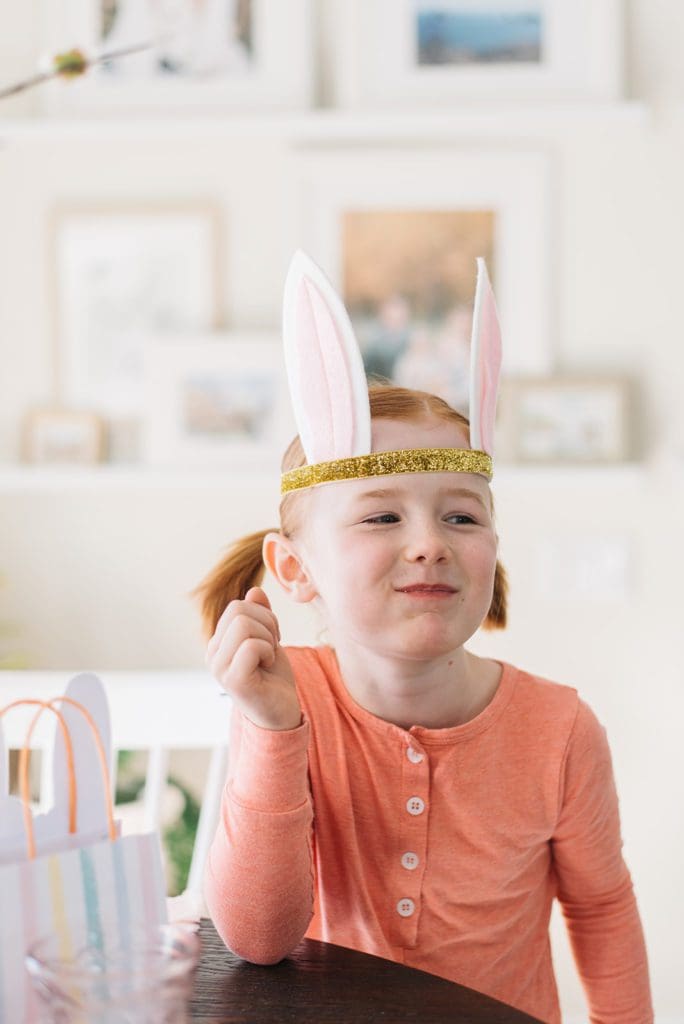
{"x":427,"y":588}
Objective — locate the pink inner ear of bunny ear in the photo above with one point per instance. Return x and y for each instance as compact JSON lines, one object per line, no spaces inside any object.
{"x":324,"y":366}
{"x":485,"y":364}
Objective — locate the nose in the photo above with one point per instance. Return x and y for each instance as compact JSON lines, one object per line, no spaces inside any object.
{"x":426,"y":544}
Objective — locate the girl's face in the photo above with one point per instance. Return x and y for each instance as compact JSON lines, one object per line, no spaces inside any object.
{"x":403,"y":565}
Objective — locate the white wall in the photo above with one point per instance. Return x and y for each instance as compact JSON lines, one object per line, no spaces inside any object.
{"x":100,"y":577}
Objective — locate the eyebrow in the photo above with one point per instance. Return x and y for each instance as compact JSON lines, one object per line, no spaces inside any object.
{"x":452,"y":492}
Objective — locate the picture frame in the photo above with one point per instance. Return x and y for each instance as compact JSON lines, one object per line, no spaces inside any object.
{"x":123,"y":272}
{"x":437,"y":52}
{"x":565,"y":420}
{"x":225,"y":55}
{"x":399,"y":214}
{"x":54,"y":436}
{"x":217,"y":401}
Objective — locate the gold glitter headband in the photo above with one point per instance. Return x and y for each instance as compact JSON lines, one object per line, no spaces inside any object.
{"x":407,"y":460}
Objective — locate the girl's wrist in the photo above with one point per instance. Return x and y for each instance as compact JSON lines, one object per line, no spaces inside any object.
{"x":276,"y":722}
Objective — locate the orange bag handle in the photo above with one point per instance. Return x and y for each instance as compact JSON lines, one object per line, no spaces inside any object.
{"x":24,"y":764}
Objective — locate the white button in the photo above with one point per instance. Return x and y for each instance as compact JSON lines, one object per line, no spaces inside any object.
{"x":405,"y":907}
{"x":409,"y":861}
{"x":414,"y":805}
{"x":414,"y":756}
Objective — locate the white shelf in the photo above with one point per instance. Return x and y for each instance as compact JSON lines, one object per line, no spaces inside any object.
{"x":31,"y":479}
{"x":464,"y":121}
{"x":34,"y":479}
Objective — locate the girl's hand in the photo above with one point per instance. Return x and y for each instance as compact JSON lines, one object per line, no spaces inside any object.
{"x":244,"y":655}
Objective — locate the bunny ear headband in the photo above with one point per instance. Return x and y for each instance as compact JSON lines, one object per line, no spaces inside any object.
{"x":329,"y":390}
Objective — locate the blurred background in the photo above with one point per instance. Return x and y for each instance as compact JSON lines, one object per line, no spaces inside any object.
{"x":149,"y":209}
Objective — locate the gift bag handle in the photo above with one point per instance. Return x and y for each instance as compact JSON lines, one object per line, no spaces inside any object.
{"x":28,"y":820}
{"x":24,"y":764}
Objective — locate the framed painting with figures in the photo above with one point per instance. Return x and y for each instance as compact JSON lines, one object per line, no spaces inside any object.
{"x":182,"y":55}
{"x":122,"y":272}
{"x":408,"y":280}
{"x":398,"y":233}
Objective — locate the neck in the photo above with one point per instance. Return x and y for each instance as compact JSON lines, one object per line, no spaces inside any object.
{"x":437,"y":694}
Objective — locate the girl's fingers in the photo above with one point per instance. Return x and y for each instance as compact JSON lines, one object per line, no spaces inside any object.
{"x":239,"y":631}
{"x":255,"y":595}
{"x":251,"y":655}
{"x":252,"y":610}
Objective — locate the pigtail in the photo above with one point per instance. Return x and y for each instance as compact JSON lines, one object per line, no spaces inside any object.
{"x":496,"y":616}
{"x":242,"y":567}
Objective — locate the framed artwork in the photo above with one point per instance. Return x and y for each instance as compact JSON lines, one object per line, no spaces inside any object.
{"x":398,"y":233}
{"x":217,"y":401}
{"x":63,"y":437}
{"x":438,"y":51}
{"x":214,"y":55}
{"x":565,"y":420}
{"x":123,"y":273}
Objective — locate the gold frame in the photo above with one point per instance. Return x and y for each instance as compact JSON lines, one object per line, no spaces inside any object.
{"x":39,"y":422}
{"x":527,"y":435}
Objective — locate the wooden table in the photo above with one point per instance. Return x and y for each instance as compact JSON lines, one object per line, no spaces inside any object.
{"x":327,"y":984}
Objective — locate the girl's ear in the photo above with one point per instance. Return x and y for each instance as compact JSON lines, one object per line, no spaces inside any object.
{"x":282,"y":559}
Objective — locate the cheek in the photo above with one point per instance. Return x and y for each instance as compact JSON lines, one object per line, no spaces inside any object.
{"x":359,"y":569}
{"x":481,"y":558}
{"x":344,"y":573}
{"x":363,"y":553}
{"x":360,"y":575}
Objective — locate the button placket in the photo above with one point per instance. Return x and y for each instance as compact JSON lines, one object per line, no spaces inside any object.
{"x":410,"y":860}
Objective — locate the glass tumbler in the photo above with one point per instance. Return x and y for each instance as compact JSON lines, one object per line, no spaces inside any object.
{"x":147,"y":980}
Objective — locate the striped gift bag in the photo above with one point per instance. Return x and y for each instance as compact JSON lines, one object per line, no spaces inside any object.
{"x":68,"y":873}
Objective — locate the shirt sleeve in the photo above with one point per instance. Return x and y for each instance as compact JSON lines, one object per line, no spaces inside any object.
{"x":258,"y":881}
{"x":594,"y":884}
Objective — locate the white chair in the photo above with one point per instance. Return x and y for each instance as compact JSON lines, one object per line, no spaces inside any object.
{"x":154,"y":711}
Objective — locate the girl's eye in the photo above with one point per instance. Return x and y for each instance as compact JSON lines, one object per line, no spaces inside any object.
{"x":457,"y":518}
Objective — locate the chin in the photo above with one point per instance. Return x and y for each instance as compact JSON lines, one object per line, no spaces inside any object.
{"x":430,"y":645}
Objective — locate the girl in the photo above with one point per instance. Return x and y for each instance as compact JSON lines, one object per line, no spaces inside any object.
{"x":392,"y":792}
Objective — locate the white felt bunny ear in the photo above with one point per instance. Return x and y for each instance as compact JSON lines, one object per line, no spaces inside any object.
{"x":325,"y":370}
{"x":485,"y":364}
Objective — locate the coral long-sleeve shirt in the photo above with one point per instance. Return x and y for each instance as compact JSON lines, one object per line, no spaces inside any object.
{"x":442,"y":849}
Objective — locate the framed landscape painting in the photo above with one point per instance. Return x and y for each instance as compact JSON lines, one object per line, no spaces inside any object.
{"x":216,"y":400}
{"x":438,"y":51}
